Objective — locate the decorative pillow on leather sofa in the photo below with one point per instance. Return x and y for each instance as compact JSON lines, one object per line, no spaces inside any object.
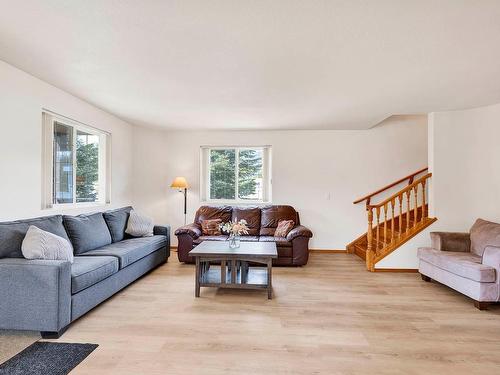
{"x":87,"y":232}
{"x":139,"y":225}
{"x":40,"y":244}
{"x":211,"y":227}
{"x":284,"y":226}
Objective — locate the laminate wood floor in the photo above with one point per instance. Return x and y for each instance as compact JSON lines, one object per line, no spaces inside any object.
{"x":329,"y":317}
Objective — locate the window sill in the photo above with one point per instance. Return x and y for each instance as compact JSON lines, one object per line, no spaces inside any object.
{"x":235,"y":203}
{"x":74,"y":206}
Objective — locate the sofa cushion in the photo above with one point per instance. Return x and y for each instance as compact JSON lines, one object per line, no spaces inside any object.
{"x":117,"y":222}
{"x":12,"y":233}
{"x":280,"y":241}
{"x":213,"y":212}
{"x":200,"y":239}
{"x":482,"y":234}
{"x":131,"y":250}
{"x":87,"y":271}
{"x":271,"y":216}
{"x":466,"y":265}
{"x":87,"y":232}
{"x":252,"y":217}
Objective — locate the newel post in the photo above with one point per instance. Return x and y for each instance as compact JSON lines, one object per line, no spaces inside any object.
{"x":369,"y":234}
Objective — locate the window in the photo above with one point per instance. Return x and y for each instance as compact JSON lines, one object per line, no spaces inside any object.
{"x":236,"y":174}
{"x":76,"y":166}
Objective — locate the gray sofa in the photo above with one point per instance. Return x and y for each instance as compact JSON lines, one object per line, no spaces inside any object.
{"x":46,"y":295}
{"x":466,"y":262}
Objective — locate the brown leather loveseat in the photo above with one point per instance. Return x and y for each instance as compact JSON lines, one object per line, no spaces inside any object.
{"x":293,"y":250}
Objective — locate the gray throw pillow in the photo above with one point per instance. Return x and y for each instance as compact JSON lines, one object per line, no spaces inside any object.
{"x":117,"y":222}
{"x":139,"y":225}
{"x":39,"y":244}
{"x":87,"y":232}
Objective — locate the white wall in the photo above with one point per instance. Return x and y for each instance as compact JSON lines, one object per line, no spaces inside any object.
{"x":307,"y":167}
{"x":22,"y":98}
{"x":464,"y":158}
{"x":466,"y":166}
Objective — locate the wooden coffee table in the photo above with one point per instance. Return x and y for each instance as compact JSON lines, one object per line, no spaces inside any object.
{"x":234,"y":272}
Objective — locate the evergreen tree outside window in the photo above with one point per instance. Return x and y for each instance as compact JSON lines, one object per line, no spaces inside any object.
{"x":236,"y":174}
{"x":76,"y":168}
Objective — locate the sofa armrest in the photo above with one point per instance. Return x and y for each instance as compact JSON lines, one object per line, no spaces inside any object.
{"x":192,"y":229}
{"x":451,"y":241}
{"x":298,"y":231}
{"x":35,"y":294}
{"x":163,"y":230}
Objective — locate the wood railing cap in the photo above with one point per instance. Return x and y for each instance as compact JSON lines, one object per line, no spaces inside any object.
{"x":409,"y":177}
{"x":400,"y":193}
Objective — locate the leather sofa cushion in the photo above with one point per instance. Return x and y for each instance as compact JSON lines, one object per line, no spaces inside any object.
{"x":482,"y":234}
{"x":251,"y":215}
{"x":12,"y":233}
{"x":131,"y":250}
{"x":466,"y":265}
{"x":280,"y":241}
{"x":213,"y":212}
{"x":200,"y":239}
{"x":271,"y":215}
{"x":87,"y":271}
{"x":87,"y":232}
{"x":117,"y":222}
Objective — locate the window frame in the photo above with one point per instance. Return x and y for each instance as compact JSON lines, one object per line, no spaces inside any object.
{"x":205,"y":170}
{"x":104,"y":168}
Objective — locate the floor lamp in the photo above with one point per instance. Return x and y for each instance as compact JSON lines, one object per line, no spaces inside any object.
{"x":181,"y":185}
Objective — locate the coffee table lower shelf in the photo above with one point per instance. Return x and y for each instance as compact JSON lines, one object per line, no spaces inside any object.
{"x":256,"y":278}
{"x":243,"y":276}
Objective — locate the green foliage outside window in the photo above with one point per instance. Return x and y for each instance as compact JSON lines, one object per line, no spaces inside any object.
{"x":250,"y":173}
{"x":223,"y":174}
{"x":87,"y":170}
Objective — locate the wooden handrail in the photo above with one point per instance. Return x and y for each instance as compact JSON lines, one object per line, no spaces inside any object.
{"x":410,"y":178}
{"x":399,"y":193}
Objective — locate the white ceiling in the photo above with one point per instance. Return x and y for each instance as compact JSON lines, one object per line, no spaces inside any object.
{"x":276,"y":64}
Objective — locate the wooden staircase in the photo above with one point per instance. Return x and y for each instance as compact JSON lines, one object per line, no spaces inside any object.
{"x":393,"y":221}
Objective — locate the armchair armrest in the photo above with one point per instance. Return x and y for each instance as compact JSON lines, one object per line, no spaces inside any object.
{"x":451,"y":241}
{"x":192,"y":229}
{"x":298,"y":231}
{"x":35,"y":294}
{"x":491,"y":257}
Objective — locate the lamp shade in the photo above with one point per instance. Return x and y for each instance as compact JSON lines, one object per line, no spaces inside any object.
{"x":179,"y":183}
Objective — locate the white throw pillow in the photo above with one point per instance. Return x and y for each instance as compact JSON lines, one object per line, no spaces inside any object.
{"x":139,"y":225}
{"x":39,"y":244}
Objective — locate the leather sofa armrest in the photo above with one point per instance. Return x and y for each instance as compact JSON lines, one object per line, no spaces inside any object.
{"x":298,"y":231}
{"x":192,"y":229}
{"x":451,"y":241}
